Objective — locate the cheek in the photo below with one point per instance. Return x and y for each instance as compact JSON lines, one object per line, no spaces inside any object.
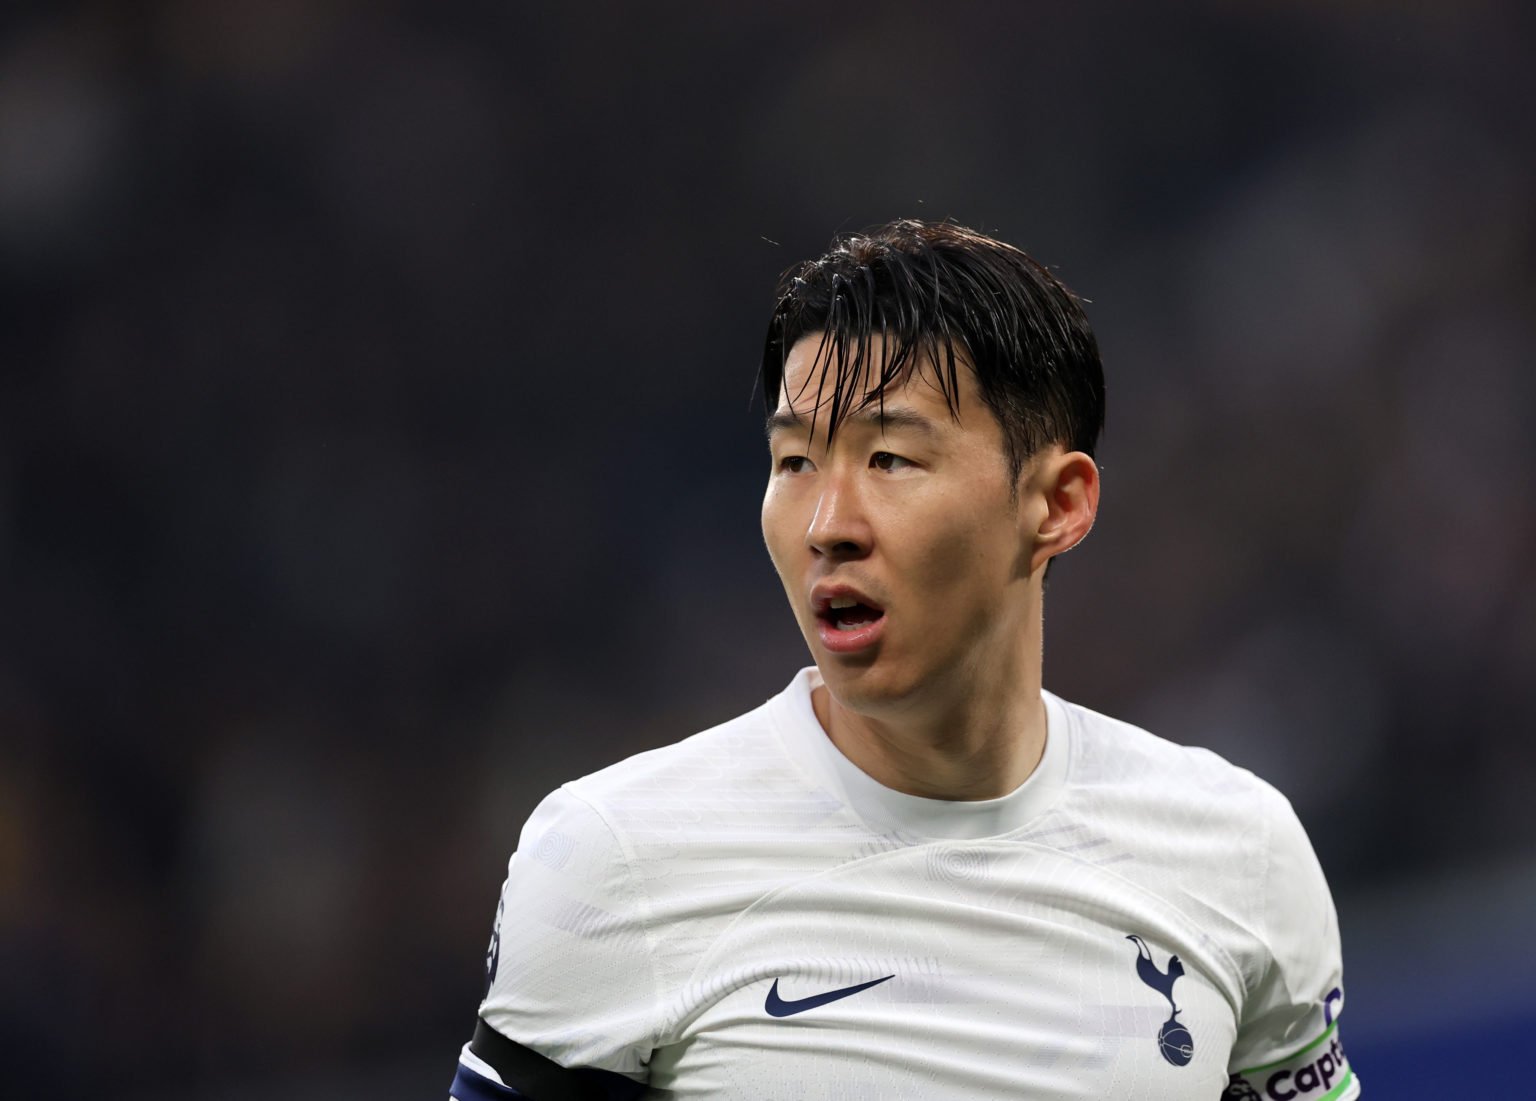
{"x":776,"y":524}
{"x":962,"y":557}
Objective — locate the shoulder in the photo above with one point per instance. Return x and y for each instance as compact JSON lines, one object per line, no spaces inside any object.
{"x":734,"y":780}
{"x":598,"y":911}
{"x":1119,"y":760}
{"x":1223,"y":843}
{"x":1196,"y":827}
{"x":730,"y":753}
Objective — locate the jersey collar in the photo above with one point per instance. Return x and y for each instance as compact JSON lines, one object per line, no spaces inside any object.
{"x":886,"y":809}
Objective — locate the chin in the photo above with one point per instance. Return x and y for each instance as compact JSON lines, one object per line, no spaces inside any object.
{"x":868,"y":686}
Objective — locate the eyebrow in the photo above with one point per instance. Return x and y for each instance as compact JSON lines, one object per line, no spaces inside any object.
{"x":889,"y":417}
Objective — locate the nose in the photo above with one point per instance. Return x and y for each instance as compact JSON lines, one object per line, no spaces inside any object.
{"x":839,"y":527}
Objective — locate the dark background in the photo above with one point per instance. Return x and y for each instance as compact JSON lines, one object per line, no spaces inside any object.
{"x":379,"y":448}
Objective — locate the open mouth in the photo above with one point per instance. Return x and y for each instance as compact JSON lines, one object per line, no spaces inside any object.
{"x":847,"y":614}
{"x":847,"y":621}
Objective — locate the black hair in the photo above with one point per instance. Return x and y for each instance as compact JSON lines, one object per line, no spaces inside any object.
{"x":939,"y":294}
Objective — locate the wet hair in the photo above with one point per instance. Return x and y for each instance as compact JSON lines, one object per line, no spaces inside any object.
{"x":940,"y":296}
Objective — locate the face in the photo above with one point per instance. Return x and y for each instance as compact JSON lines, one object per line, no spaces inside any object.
{"x":902,"y":547}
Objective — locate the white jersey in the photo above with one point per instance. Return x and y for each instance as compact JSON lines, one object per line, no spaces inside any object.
{"x":747,"y":914}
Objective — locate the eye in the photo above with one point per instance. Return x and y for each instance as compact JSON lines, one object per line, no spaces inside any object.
{"x":794,"y":464}
{"x":884,"y":460}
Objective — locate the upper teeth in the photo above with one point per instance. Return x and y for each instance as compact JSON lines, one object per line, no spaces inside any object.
{"x":844,"y":602}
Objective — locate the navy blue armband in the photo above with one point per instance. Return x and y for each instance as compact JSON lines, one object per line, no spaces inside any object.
{"x":534,"y":1077}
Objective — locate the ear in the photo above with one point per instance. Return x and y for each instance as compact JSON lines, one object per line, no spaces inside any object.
{"x":1062,"y":488}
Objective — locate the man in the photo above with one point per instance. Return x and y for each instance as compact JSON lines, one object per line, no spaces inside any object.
{"x":914,"y":873}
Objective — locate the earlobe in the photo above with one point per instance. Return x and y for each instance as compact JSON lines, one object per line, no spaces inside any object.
{"x":1065,"y":487}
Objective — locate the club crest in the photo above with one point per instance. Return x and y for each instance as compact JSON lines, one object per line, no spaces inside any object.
{"x":1173,"y":1039}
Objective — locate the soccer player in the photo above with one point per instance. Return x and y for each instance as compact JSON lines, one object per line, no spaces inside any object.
{"x":914,"y":873}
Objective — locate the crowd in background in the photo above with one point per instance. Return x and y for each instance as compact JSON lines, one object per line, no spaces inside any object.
{"x":379,"y":447}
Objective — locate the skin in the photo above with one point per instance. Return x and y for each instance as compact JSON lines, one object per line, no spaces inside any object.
{"x":919,"y":513}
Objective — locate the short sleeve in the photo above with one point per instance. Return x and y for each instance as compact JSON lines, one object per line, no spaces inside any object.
{"x":569,"y":969}
{"x":1288,"y":1042}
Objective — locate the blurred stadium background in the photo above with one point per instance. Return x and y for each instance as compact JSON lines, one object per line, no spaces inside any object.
{"x":378,"y":448}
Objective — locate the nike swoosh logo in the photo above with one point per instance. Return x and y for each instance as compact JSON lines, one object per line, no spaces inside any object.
{"x":778,"y":1007}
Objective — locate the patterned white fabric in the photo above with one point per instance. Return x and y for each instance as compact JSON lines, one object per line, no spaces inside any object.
{"x":655,"y":910}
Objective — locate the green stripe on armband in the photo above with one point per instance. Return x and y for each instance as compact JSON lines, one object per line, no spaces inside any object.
{"x":1327,"y":1032}
{"x":1317,"y":1072}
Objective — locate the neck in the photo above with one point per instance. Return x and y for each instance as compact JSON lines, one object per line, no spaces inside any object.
{"x":979,"y":736}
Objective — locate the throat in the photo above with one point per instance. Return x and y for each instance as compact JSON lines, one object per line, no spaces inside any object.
{"x":925,"y":758}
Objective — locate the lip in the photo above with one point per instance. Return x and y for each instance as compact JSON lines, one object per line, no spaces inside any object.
{"x":845,"y":642}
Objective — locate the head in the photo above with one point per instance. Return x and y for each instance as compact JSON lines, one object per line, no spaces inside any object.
{"x":934,"y":398}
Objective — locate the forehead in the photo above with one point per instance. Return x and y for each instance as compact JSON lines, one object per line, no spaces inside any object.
{"x":823,"y":378}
